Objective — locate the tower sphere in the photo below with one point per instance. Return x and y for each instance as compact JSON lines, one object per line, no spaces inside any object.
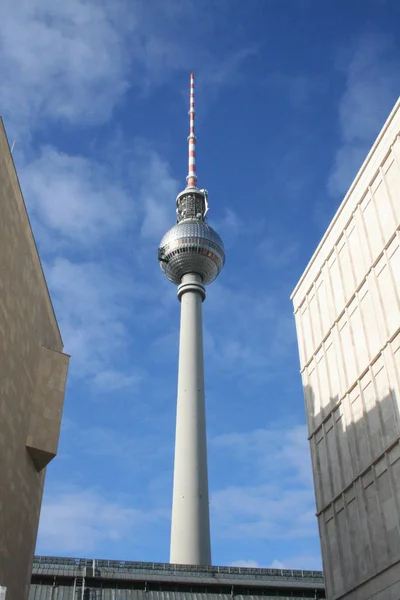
{"x":191,"y":246}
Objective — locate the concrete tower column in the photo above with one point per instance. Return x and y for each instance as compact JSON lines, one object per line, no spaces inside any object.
{"x":190,"y":529}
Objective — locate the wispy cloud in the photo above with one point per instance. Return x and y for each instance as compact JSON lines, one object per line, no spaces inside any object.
{"x":141,"y":450}
{"x":92,"y":302}
{"x":277,"y":253}
{"x":248,"y":563}
{"x":280,"y":503}
{"x":76,"y":61}
{"x":302,"y":562}
{"x":263,"y":333}
{"x":297,"y":88}
{"x":63,"y":60}
{"x":371,"y":69}
{"x":73,"y":196}
{"x":276,"y":448}
{"x":158,"y":191}
{"x":264,"y":512}
{"x":111,"y":381}
{"x":80,"y":520}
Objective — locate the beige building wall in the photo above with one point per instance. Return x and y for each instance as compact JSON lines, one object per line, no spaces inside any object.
{"x":33,"y":373}
{"x":347,"y":311}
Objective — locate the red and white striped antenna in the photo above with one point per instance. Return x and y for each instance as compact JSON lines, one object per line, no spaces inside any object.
{"x":192,"y":177}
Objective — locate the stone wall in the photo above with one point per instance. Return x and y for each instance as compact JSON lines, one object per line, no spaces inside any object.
{"x":33,"y":373}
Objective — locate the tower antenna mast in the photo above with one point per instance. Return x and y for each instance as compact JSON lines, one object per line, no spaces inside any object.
{"x":192,"y":177}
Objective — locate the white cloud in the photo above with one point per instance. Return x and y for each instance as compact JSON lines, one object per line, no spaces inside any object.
{"x":266,"y":510}
{"x":77,"y":521}
{"x":275,"y":448}
{"x":63,"y":59}
{"x":277,"y":253}
{"x":371,"y":73}
{"x":228,"y":227}
{"x":91,"y":301}
{"x":76,"y":211}
{"x":157,"y":194}
{"x":75,"y":61}
{"x":306,"y":562}
{"x":297,"y":88}
{"x":73,"y":196}
{"x":111,"y":381}
{"x":146,"y":447}
{"x":248,"y":563}
{"x":262,"y":337}
{"x":263,"y":334}
{"x":277,"y":564}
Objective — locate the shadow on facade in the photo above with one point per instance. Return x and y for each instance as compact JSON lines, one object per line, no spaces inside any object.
{"x":355,"y":455}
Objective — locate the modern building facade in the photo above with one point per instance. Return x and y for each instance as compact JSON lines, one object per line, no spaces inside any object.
{"x":191,"y":255}
{"x":33,"y":373}
{"x":88,"y":579}
{"x":347,"y":311}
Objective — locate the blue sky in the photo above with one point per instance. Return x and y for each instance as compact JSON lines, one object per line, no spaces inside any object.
{"x":290,"y":95}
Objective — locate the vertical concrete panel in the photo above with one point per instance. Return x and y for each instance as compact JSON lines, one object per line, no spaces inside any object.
{"x":306,"y":328}
{"x":368,"y":314}
{"x":345,"y":556}
{"x":323,"y":381}
{"x":300,"y":339}
{"x":389,"y":512}
{"x":315,"y":460}
{"x":309,"y":401}
{"x":358,"y":336}
{"x":389,"y":420}
{"x":315,"y":319}
{"x":332,"y":458}
{"x":332,"y":368}
{"x":388,"y":295}
{"x":392,"y":178}
{"x":354,"y":539}
{"x":361,"y":423}
{"x":323,"y":304}
{"x":393,"y":257}
{"x":372,"y":232}
{"x":372,"y":419}
{"x":384,"y":210}
{"x":314,"y":396}
{"x":346,"y":270}
{"x":344,"y":443}
{"x":347,"y":347}
{"x":323,"y":474}
{"x":356,"y":252}
{"x":335,"y":566}
{"x":336,"y":282}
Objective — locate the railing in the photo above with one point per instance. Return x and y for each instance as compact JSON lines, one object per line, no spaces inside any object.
{"x":51,"y":564}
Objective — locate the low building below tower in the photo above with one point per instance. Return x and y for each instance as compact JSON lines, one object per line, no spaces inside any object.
{"x":90,"y":579}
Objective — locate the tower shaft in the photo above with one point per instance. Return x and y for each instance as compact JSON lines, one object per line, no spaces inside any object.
{"x":190,"y":530}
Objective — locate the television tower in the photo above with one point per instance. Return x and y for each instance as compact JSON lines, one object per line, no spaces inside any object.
{"x":191,"y":254}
